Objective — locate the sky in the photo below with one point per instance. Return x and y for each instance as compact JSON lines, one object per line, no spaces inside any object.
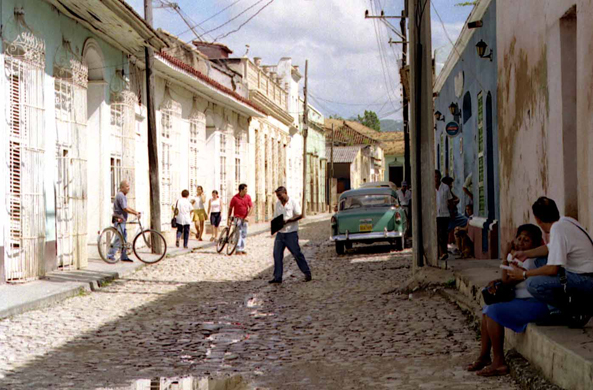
{"x":352,"y":68}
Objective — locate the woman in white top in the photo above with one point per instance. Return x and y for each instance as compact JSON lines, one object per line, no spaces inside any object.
{"x":183,"y":209}
{"x":199,"y":212}
{"x":215,"y":213}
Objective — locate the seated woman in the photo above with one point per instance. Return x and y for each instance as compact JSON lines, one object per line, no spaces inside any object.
{"x":515,"y":314}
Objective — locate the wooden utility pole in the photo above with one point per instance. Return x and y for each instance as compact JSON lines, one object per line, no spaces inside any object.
{"x":305,"y":133}
{"x":331,"y":177}
{"x":422,"y":135}
{"x":153,"y":156}
{"x":407,"y":168}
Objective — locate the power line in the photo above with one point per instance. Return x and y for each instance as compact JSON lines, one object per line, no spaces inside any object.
{"x":244,"y":23}
{"x":348,"y":104}
{"x":230,"y":20}
{"x":210,"y":18}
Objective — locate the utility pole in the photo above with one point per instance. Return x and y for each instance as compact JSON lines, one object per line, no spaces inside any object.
{"x":331,"y":177}
{"x":305,"y":133}
{"x":153,"y":156}
{"x":422,"y":135}
{"x":407,"y":168}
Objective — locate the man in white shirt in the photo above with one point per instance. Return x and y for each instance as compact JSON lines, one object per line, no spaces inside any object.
{"x":404,"y":195}
{"x":288,"y":236}
{"x":570,"y":253}
{"x":443,"y":194}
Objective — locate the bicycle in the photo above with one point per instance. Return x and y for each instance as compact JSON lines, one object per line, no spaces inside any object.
{"x":229,"y":235}
{"x":145,"y":244}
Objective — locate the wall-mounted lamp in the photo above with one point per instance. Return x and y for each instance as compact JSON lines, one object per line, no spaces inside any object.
{"x":481,"y":48}
{"x":454,"y":109}
{"x":439,"y":116}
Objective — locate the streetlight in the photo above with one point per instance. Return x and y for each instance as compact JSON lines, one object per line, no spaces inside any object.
{"x":454,"y":109}
{"x":439,"y":116}
{"x":481,"y":48}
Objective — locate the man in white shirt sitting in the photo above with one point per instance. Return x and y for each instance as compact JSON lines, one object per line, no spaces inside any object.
{"x":288,"y":236}
{"x":404,"y":195}
{"x":570,"y":253}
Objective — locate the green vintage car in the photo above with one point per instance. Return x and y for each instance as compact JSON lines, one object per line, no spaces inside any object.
{"x":368,"y":215}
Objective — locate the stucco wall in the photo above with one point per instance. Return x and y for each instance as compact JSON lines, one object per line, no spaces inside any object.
{"x":537,"y":144}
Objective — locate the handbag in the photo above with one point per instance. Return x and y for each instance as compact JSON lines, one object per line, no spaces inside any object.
{"x":496,"y":291}
{"x":174,"y":219}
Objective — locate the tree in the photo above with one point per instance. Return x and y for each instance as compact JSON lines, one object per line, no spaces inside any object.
{"x":466,"y":3}
{"x":335,"y":116}
{"x":370,"y":120}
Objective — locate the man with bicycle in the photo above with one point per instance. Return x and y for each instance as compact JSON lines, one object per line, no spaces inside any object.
{"x":119,"y":219}
{"x":240,"y":208}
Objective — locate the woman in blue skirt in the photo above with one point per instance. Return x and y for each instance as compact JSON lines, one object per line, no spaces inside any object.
{"x":515,"y":314}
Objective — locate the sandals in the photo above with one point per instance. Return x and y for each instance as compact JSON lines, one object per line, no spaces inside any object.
{"x":478,"y":365}
{"x":498,"y":371}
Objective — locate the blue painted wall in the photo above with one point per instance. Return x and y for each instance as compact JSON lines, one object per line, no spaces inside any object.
{"x":480,"y":75}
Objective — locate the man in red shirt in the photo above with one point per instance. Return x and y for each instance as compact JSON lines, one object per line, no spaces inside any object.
{"x":240,"y":208}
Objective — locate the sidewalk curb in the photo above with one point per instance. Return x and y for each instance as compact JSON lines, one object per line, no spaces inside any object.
{"x":85,"y":287}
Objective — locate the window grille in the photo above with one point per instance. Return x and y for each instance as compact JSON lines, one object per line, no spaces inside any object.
{"x":193,"y":157}
{"x":24,"y":64}
{"x":223,"y":170}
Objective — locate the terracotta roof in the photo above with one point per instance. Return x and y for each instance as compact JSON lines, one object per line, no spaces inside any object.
{"x":177,"y":62}
{"x":344,"y":154}
{"x":346,"y":134}
{"x":392,"y":142}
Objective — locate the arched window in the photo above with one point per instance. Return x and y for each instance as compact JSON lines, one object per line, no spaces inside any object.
{"x":467,"y":107}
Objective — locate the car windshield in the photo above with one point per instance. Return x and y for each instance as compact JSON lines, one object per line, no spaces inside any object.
{"x":368,"y":200}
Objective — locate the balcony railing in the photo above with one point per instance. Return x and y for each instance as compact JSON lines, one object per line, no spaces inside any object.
{"x":257,"y":79}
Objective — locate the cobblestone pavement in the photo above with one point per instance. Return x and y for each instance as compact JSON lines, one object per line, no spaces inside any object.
{"x":209,"y":314}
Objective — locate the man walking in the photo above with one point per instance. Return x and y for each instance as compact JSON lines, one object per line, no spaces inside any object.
{"x":240,"y":208}
{"x":443,"y":194}
{"x":288,"y":236}
{"x":404,"y":195}
{"x":120,"y":217}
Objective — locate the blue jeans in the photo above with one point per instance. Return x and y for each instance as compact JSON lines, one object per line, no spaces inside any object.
{"x":183,"y":230}
{"x":290,"y":241}
{"x":549,"y":290}
{"x":117,"y":244}
{"x":242,"y":226}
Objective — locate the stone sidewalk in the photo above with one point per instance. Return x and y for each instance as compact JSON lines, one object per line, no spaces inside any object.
{"x":63,"y":284}
{"x":565,"y":356}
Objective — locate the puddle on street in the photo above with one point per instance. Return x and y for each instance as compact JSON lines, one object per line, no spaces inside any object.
{"x":236,"y":382}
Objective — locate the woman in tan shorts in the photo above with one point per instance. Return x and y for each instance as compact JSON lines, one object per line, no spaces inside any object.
{"x":199,"y":213}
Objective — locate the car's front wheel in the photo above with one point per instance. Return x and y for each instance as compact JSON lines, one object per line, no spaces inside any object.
{"x":340,"y":248}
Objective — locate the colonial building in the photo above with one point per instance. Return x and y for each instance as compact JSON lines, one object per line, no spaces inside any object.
{"x":75,"y":126}
{"x":275,"y":153}
{"x":466,"y":93}
{"x":63,"y":124}
{"x":357,"y":156}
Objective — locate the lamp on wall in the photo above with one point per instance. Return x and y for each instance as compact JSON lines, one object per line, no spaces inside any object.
{"x":438,"y":116}
{"x":481,"y":48}
{"x":454,"y":109}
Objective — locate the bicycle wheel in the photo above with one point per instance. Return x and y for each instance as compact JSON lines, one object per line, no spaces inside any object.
{"x":233,"y":241}
{"x":222,"y":239}
{"x":150,"y":246}
{"x":110,"y":245}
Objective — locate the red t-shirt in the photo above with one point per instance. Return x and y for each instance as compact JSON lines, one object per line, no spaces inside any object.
{"x":241,"y":206}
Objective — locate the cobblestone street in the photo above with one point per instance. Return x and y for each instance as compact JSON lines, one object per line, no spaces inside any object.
{"x":209,"y":314}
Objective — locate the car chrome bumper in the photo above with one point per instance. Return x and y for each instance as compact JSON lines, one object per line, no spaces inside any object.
{"x":366,"y":236}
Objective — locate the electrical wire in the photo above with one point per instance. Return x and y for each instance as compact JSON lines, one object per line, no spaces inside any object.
{"x":347,"y":104}
{"x":239,"y":15}
{"x":244,"y":23}
{"x":210,"y":18}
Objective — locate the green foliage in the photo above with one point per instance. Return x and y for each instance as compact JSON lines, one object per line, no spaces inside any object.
{"x":335,"y":116}
{"x":370,"y":120}
{"x":467,"y":3}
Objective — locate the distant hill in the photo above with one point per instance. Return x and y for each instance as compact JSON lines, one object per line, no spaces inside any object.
{"x":388,"y":125}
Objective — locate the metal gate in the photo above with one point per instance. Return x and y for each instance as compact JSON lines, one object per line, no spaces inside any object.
{"x":70,"y":85}
{"x":24,"y":77}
